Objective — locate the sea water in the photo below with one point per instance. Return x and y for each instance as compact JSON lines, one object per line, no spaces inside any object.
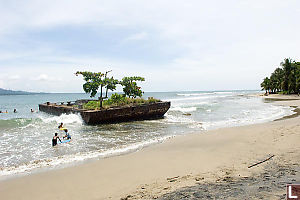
{"x":25,"y":137}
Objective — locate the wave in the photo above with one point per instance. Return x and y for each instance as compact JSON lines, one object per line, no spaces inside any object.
{"x":65,"y":118}
{"x":224,"y":92}
{"x":15,"y":122}
{"x":197,"y":98}
{"x":28,"y":122}
{"x":246,"y":117}
{"x":202,"y":93}
{"x":194,"y":94}
{"x":68,"y":159}
{"x":190,"y":98}
{"x":182,"y":109}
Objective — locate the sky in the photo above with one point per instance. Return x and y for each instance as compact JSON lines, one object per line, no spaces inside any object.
{"x":177,"y":45}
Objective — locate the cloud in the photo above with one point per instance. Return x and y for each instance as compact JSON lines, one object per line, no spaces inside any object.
{"x":14,"y":77}
{"x":43,"y":77}
{"x":205,"y":44}
{"x":1,"y":83}
{"x":137,"y":36}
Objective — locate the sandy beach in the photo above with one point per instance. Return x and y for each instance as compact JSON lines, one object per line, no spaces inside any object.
{"x":213,"y":159}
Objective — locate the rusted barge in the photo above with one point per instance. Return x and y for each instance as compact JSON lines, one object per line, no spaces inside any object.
{"x":110,"y":115}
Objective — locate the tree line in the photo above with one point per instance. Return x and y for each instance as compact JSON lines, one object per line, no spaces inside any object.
{"x":285,"y":79}
{"x":96,"y":80}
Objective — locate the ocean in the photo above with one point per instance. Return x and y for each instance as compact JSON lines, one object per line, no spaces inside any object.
{"x":25,"y":137}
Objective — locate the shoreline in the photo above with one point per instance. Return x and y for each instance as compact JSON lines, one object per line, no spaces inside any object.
{"x":30,"y":168}
{"x":187,"y":157}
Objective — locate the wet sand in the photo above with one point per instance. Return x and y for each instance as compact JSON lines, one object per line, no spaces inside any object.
{"x":209,"y":164}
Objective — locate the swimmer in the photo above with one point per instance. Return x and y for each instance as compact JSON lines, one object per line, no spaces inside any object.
{"x":54,"y":139}
{"x":61,"y":125}
{"x":67,"y":136}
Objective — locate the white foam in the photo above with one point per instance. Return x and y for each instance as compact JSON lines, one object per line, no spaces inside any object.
{"x":190,"y":98}
{"x":223,"y":92}
{"x":194,"y":94}
{"x":180,"y":119}
{"x":65,"y":118}
{"x":184,"y":110}
{"x":203,"y":93}
{"x":190,"y":104}
{"x":67,"y":159}
{"x":251,"y":117}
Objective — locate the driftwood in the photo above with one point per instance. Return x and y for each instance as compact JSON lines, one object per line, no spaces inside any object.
{"x":172,"y":179}
{"x":261,"y":161}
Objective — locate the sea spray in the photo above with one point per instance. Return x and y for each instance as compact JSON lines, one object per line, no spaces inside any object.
{"x":67,"y":119}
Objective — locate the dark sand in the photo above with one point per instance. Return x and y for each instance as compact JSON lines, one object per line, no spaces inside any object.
{"x":269,"y":184}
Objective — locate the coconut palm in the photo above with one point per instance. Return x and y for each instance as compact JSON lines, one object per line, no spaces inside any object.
{"x":287,"y":69}
{"x":276,"y":79}
{"x":265,"y":85}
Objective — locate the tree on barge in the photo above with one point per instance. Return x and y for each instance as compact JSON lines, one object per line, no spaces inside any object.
{"x":118,"y":108}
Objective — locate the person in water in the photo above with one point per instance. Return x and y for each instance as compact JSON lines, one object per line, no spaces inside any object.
{"x":54,"y":139}
{"x":31,"y":110}
{"x":67,"y":136}
{"x":61,"y":125}
{"x":15,"y":110}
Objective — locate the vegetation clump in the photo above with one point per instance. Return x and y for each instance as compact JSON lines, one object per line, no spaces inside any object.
{"x":117,"y":100}
{"x":285,"y":79}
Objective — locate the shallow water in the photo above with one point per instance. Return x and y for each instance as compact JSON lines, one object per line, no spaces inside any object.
{"x":25,"y":137}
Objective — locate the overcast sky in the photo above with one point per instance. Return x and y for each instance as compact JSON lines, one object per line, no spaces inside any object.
{"x":176,"y":45}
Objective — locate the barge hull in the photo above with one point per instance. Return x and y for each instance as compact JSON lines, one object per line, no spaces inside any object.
{"x":111,"y":115}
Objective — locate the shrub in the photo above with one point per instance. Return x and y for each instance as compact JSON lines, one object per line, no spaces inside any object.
{"x":92,"y":105}
{"x":118,"y":100}
{"x":152,"y":100}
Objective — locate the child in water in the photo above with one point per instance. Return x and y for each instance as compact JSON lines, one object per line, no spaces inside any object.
{"x":67,"y":136}
{"x":61,"y":125}
{"x":54,"y":139}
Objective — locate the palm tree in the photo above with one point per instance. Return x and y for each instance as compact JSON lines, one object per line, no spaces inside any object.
{"x":265,"y":85}
{"x":297,"y":76}
{"x":287,"y":69}
{"x":276,"y":78}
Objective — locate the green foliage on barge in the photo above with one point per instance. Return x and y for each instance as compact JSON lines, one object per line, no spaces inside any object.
{"x":117,"y":100}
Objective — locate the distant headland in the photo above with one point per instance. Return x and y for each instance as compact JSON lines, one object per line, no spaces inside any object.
{"x":12,"y":92}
